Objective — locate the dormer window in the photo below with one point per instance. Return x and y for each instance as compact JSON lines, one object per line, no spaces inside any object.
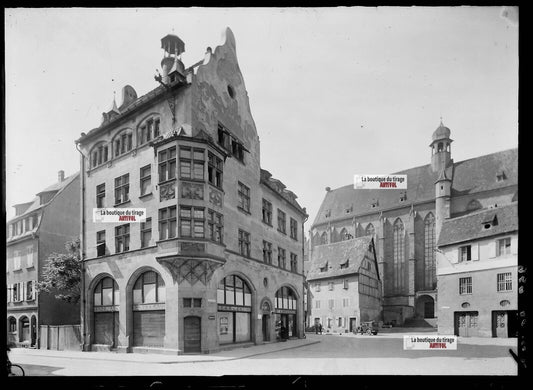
{"x":348,"y":209}
{"x":501,"y":176}
{"x":324,"y":268}
{"x":123,"y":143}
{"x":99,"y":155}
{"x":490,"y":222}
{"x":403,"y":196}
{"x":328,"y":213}
{"x":345,"y":264}
{"x":375,"y":203}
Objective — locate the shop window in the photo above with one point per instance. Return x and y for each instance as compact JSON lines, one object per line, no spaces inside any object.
{"x":149,"y":288}
{"x":233,"y":290}
{"x":285,"y":299}
{"x":106,"y":293}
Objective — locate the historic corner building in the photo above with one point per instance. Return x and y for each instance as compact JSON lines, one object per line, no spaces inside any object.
{"x":344,"y":285}
{"x":39,"y":228}
{"x":478,"y":273}
{"x":219,"y":259}
{"x":405,"y":224}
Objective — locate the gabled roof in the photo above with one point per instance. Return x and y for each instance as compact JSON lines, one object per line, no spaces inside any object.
{"x":333,"y":255}
{"x":36,"y":202}
{"x":471,"y":227}
{"x":468,"y":176}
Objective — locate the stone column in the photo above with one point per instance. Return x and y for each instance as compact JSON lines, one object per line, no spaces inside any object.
{"x":125,"y":319}
{"x":173,"y":327}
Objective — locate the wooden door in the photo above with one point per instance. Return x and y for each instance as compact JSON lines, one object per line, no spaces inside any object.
{"x":192,"y":334}
{"x":266,"y":327}
{"x":500,"y":324}
{"x":352,"y":324}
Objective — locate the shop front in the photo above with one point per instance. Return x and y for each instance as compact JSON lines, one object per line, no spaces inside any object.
{"x":285,"y":310}
{"x":234,"y":300}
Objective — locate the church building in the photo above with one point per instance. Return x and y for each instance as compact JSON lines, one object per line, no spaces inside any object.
{"x":405,"y":224}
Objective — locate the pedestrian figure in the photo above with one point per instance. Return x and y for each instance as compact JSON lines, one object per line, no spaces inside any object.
{"x":320,"y":328}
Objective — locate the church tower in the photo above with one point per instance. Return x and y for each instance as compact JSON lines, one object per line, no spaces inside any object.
{"x":440,"y":162}
{"x":441,"y":148}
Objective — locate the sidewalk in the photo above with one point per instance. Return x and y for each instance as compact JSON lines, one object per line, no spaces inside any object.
{"x":233,"y":354}
{"x":399,"y":332}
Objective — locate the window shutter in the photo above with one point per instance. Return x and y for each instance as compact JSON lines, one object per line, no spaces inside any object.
{"x":23,"y":291}
{"x":458,"y":255}
{"x":492,"y":249}
{"x":33,"y":292}
{"x":514,"y":245}
{"x":9,"y":293}
{"x":474,"y":251}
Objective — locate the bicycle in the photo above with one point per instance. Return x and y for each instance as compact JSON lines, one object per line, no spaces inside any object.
{"x":14,"y":369}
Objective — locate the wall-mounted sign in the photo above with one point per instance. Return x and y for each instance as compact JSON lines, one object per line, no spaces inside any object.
{"x":100,"y":309}
{"x":234,"y":308}
{"x":149,"y":306}
{"x":211,"y":317}
{"x":285,"y":311}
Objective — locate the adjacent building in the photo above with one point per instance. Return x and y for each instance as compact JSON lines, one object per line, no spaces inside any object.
{"x":405,"y":224}
{"x":344,"y":285}
{"x":477,"y":274}
{"x":40,"y":227}
{"x":218,"y":261}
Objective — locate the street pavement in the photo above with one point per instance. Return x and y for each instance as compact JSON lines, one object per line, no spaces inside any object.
{"x":326,"y":354}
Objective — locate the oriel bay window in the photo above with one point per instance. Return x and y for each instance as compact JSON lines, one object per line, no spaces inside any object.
{"x":192,"y":162}
{"x":122,"y":238}
{"x":234,"y":299}
{"x":215,"y":224}
{"x":167,"y":164}
{"x":122,"y":189}
{"x":215,"y":168}
{"x":167,"y":223}
{"x":192,"y":221}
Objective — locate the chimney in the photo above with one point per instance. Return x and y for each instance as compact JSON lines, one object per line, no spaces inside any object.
{"x":61,"y":176}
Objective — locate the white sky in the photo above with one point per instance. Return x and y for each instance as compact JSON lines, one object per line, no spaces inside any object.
{"x":333,"y":91}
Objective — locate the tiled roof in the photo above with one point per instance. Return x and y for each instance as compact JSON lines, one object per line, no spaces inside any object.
{"x":468,"y":176}
{"x":333,"y":255}
{"x":36,"y":202}
{"x":278,"y":187}
{"x":470,"y":227}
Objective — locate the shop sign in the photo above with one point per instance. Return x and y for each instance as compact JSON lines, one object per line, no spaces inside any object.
{"x":149,"y":306}
{"x":285,"y":311}
{"x":234,"y":308}
{"x":105,"y":309}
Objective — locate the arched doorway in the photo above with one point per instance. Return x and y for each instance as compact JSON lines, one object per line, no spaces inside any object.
{"x":234,"y":299}
{"x":285,"y":307}
{"x":265,"y":320}
{"x":425,"y":307}
{"x":24,"y":329}
{"x":11,"y":331}
{"x":192,"y":334}
{"x":33,"y":330}
{"x":106,"y":300}
{"x":149,"y":310}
